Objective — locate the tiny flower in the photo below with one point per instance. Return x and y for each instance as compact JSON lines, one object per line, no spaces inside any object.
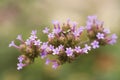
{"x":95,"y":44}
{"x":89,"y":25}
{"x":92,"y":18}
{"x":44,"y":45}
{"x":34,"y":32}
{"x":61,"y":47}
{"x":47,"y":61}
{"x":19,"y":37}
{"x":74,"y":25}
{"x":20,"y":66}
{"x":113,"y":39}
{"x":69,"y":51}
{"x":56,"y":30}
{"x":51,"y":35}
{"x":20,"y":58}
{"x":56,"y":51}
{"x":55,"y":65}
{"x":46,"y":30}
{"x":99,"y":23}
{"x":106,"y":31}
{"x":77,"y":49}
{"x":76,"y":33}
{"x":12,"y":44}
{"x":33,"y":37}
{"x":55,"y":22}
{"x":68,"y":20}
{"x":90,"y":21}
{"x":80,"y":30}
{"x":43,"y":54}
{"x":28,"y":42}
{"x":114,"y":36}
{"x":86,"y":49}
{"x":50,"y":48}
{"x":100,"y":35}
{"x":38,"y":42}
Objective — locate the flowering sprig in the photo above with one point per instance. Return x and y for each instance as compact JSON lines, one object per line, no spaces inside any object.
{"x":64,"y":42}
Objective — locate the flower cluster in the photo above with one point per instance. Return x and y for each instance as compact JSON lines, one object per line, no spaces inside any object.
{"x":64,"y":42}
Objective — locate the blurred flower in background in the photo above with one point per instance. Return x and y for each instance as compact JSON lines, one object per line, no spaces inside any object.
{"x":22,"y":16}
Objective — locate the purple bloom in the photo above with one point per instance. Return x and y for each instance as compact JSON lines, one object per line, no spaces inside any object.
{"x":75,"y":23}
{"x":76,"y":33}
{"x":28,"y":42}
{"x":55,"y":22}
{"x":56,"y":31}
{"x":44,"y":45}
{"x":106,"y":31}
{"x":43,"y":54}
{"x":114,"y":36}
{"x":92,"y":18}
{"x":80,"y":30}
{"x":47,"y":61}
{"x":20,"y":66}
{"x":113,"y":39}
{"x":38,"y":42}
{"x":55,"y":65}
{"x":89,"y":26}
{"x":69,"y":51}
{"x":61,"y":47}
{"x":78,"y":49}
{"x":90,"y":22}
{"x":74,"y":26}
{"x":20,"y":58}
{"x":46,"y":30}
{"x":95,"y":44}
{"x":100,"y":35}
{"x":12,"y":44}
{"x":86,"y":49}
{"x":56,"y":51}
{"x":34,"y":32}
{"x":51,"y":35}
{"x":50,"y":48}
{"x":19,"y":37}
{"x":33,"y":37}
{"x":68,"y":20}
{"x":99,"y":23}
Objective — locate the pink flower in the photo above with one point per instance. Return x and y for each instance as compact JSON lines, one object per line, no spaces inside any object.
{"x":100,"y":35}
{"x":55,"y":65}
{"x":69,"y":51}
{"x":12,"y":44}
{"x":46,"y":30}
{"x":38,"y":42}
{"x":95,"y":44}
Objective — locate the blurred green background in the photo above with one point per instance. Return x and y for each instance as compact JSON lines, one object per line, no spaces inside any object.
{"x":23,"y":16}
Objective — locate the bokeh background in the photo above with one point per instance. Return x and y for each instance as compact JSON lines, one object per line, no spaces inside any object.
{"x":23,"y":16}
